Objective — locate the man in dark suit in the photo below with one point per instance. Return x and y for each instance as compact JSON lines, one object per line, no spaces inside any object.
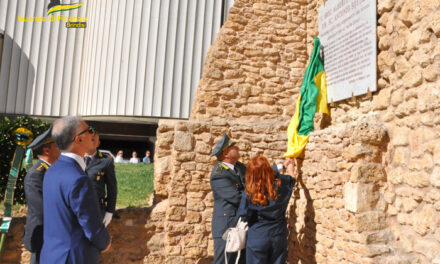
{"x":74,"y":232}
{"x":101,"y":171}
{"x":227,"y":184}
{"x":47,"y":152}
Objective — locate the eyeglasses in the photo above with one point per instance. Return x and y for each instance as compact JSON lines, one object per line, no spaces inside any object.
{"x":90,"y":129}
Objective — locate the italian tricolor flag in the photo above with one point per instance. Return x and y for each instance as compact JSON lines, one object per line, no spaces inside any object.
{"x":312,"y":99}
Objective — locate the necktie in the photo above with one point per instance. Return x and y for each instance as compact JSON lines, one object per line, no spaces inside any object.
{"x":87,"y":159}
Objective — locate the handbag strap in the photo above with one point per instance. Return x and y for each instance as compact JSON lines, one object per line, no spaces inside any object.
{"x":236,"y":260}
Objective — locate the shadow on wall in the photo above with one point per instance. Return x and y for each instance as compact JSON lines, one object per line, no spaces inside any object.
{"x":302,"y":243}
{"x":17,"y":77}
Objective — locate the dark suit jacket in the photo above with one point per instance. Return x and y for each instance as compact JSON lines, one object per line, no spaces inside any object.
{"x":33,"y":190}
{"x":101,"y":171}
{"x":74,"y":232}
{"x":227,"y":187}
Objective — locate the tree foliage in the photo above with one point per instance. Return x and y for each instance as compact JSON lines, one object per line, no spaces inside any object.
{"x":7,"y":149}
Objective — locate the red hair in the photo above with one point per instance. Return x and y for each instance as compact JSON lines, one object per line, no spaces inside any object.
{"x":260,"y":181}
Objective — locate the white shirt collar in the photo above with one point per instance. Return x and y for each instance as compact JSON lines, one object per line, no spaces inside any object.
{"x":77,"y":158}
{"x":45,"y":161}
{"x":229,"y":165}
{"x":91,"y":156}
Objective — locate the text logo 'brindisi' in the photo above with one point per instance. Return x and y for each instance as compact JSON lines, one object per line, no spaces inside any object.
{"x":56,"y":6}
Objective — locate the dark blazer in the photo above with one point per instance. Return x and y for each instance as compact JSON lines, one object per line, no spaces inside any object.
{"x":74,"y":230}
{"x":33,"y":190}
{"x":101,"y":170}
{"x":227,"y":187}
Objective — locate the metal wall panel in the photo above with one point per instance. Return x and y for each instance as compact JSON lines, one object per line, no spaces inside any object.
{"x":41,"y":61}
{"x":153,"y":58}
{"x":135,"y":58}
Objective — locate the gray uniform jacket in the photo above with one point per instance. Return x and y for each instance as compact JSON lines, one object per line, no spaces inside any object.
{"x":33,"y":190}
{"x":101,"y":170}
{"x":227,"y":187}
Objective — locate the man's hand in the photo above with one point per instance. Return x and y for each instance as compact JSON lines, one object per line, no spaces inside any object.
{"x":108,"y":247}
{"x":107,"y":218}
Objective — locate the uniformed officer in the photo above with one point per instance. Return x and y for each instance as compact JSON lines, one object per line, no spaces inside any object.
{"x":227,"y":184}
{"x":266,"y":216}
{"x":47,"y":152}
{"x":101,"y":170}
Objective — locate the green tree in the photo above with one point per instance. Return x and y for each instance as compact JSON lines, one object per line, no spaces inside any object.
{"x":7,"y":149}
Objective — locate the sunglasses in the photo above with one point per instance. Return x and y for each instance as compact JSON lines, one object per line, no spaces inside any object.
{"x":90,"y":129}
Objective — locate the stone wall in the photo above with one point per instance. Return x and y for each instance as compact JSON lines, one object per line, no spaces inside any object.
{"x":181,"y":220}
{"x":256,"y":63}
{"x":369,"y":182}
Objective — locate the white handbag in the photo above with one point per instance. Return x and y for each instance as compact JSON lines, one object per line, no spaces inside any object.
{"x":235,"y":239}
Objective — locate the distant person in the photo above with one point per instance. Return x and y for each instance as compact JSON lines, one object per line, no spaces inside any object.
{"x":101,"y":170}
{"x":47,"y":152}
{"x":74,"y":230}
{"x":263,"y":205}
{"x":119,"y":157}
{"x":147,"y":158}
{"x":134,"y":158}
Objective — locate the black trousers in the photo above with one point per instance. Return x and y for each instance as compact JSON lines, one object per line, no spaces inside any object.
{"x":35,"y":257}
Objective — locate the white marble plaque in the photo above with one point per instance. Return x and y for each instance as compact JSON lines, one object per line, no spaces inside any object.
{"x":347,"y":30}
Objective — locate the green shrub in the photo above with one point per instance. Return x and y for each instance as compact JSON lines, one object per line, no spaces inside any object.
{"x":7,"y":149}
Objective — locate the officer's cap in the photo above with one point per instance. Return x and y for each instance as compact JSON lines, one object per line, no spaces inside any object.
{"x":44,"y":138}
{"x":224,"y":143}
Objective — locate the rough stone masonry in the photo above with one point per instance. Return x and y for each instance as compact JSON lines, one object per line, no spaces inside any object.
{"x":369,"y":182}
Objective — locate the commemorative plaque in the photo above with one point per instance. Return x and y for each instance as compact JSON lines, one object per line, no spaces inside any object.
{"x":347,"y":30}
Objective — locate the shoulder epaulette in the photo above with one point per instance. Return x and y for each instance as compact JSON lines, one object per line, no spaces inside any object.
{"x":221,"y":166}
{"x":101,"y":155}
{"x":43,"y":167}
{"x":224,"y":166}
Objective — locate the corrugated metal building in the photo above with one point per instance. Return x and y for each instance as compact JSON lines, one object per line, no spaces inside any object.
{"x":136,"y":58}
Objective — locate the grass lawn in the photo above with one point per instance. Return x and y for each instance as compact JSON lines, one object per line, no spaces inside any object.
{"x":135,"y":184}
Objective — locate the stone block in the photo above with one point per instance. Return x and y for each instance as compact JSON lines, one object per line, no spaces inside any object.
{"x":359,"y":197}
{"x":367,"y":172}
{"x":368,"y":132}
{"x":413,"y":78}
{"x":173,"y":250}
{"x":370,"y":221}
{"x":176,"y":213}
{"x":418,"y":179}
{"x":185,"y":156}
{"x":424,"y":220}
{"x":435,"y":177}
{"x":424,"y":163}
{"x":196,"y":205}
{"x":401,"y":156}
{"x":192,"y":217}
{"x":183,"y":141}
{"x":382,"y":99}
{"x":400,"y":136}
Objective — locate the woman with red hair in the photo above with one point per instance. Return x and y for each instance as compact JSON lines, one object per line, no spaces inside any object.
{"x":263,"y":206}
